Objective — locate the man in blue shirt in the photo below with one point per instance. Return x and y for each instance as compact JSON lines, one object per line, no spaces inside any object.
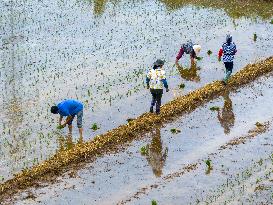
{"x":69,"y":108}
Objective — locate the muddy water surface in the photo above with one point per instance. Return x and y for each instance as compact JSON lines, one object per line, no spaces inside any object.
{"x":98,"y":52}
{"x":240,"y":173}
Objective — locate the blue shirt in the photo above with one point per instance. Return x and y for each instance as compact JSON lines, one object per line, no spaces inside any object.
{"x":69,"y":107}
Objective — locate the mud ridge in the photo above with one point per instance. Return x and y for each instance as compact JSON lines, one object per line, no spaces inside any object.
{"x":124,"y":133}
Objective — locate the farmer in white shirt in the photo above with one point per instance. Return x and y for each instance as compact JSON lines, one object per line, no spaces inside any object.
{"x":155,"y":80}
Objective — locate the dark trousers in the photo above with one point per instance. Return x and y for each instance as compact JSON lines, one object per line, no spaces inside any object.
{"x":157,"y":95}
{"x":229,"y":68}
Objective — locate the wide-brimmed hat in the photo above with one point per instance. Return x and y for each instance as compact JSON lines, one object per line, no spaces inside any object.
{"x":159,"y":62}
{"x":197,"y":49}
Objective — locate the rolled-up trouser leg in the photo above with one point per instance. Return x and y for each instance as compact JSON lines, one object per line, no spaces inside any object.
{"x":79,"y":119}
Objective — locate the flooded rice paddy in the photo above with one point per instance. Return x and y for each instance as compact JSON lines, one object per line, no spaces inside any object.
{"x":98,"y":52}
{"x":173,"y":168}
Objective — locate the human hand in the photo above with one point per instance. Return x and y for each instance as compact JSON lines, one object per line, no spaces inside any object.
{"x":148,"y":87}
{"x":219,"y":59}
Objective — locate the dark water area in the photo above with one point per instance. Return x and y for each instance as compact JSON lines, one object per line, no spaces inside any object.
{"x":98,"y":52}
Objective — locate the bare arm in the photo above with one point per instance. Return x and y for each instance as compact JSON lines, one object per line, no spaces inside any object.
{"x":68,"y":119}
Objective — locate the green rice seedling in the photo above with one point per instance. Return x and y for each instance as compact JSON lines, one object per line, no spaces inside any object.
{"x":95,"y":127}
{"x":209,"y":52}
{"x":258,"y":124}
{"x":144,"y":150}
{"x":154,"y":202}
{"x":175,"y":131}
{"x":182,"y":86}
{"x":214,"y":108}
{"x":255,"y":37}
{"x":199,"y":58}
{"x":2,"y":178}
{"x":208,"y":163}
{"x":271,"y":21}
{"x":209,"y":166}
{"x":59,"y":127}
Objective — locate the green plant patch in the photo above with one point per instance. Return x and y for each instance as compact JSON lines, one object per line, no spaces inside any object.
{"x":95,"y":127}
{"x":258,"y":124}
{"x":154,"y":202}
{"x":209,"y":52}
{"x":271,"y":21}
{"x":214,"y":108}
{"x":255,"y":37}
{"x":199,"y":58}
{"x":175,"y":131}
{"x":182,"y":86}
{"x":144,"y":150}
{"x":59,"y":127}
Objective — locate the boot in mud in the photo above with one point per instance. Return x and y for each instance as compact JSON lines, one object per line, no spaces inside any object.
{"x":151,"y":109}
{"x":157,"y":112}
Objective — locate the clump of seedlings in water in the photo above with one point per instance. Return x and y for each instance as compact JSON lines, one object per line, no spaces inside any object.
{"x":95,"y":127}
{"x":199,"y":58}
{"x":209,"y":52}
{"x":175,"y":131}
{"x":154,"y":202}
{"x":215,"y":108}
{"x":271,"y":21}
{"x":255,"y":37}
{"x":258,"y":124}
{"x":59,"y":127}
{"x":182,"y":86}
{"x":144,"y":150}
{"x":209,"y":166}
{"x":129,"y":120}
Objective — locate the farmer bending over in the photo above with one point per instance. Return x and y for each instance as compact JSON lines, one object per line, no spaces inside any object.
{"x":228,"y":51}
{"x":189,"y":48}
{"x":68,"y":109}
{"x":155,"y":80}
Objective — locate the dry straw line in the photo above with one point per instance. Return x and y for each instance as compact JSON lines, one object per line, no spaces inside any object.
{"x":125,"y":133}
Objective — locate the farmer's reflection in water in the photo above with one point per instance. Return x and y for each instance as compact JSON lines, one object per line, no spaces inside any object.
{"x":225,"y":115}
{"x":156,"y":156}
{"x":189,"y":74}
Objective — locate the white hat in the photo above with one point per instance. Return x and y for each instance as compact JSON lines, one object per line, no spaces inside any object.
{"x":197,"y":49}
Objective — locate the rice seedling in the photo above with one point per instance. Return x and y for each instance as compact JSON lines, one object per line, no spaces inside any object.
{"x":175,"y":131}
{"x":214,"y":108}
{"x":95,"y":127}
{"x":182,"y":86}
{"x":199,"y":58}
{"x":255,"y":37}
{"x":209,"y":52}
{"x":144,"y":150}
{"x":154,"y":202}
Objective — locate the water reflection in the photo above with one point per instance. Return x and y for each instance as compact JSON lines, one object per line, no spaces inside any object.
{"x":225,"y":115}
{"x":156,"y":155}
{"x":189,"y":74}
{"x":67,"y":142}
{"x":235,"y":9}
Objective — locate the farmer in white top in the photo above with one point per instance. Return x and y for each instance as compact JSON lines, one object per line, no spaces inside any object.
{"x":155,"y":80}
